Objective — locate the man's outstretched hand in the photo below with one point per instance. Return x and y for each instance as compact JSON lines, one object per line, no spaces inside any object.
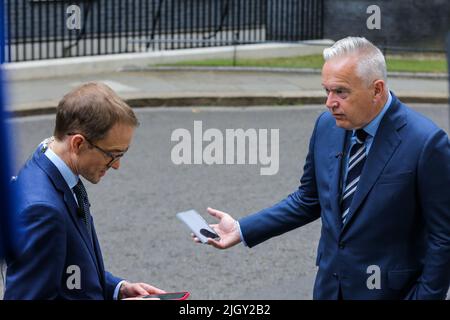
{"x":227,"y":230}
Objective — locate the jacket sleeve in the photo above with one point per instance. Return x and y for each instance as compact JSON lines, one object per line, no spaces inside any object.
{"x":37,"y":270}
{"x":434,"y":184}
{"x":296,"y":210}
{"x":111,"y":284}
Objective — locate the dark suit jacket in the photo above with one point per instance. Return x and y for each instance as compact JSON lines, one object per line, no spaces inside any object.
{"x":55,"y":238}
{"x":399,"y":220}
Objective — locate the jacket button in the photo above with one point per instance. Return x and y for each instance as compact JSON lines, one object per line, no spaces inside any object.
{"x":341,"y":245}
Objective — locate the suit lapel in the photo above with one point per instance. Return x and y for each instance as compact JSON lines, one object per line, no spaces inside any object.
{"x":336,"y":147}
{"x":61,"y":185}
{"x":384,"y":145}
{"x":99,"y":256}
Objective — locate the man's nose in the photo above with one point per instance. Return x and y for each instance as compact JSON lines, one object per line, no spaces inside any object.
{"x":116,"y":164}
{"x":331,"y":101}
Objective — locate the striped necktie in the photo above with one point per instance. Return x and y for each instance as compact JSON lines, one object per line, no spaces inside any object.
{"x":356,"y":161}
{"x":83,"y":206}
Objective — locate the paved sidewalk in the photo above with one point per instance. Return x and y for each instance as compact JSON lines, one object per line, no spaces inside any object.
{"x":179,"y":87}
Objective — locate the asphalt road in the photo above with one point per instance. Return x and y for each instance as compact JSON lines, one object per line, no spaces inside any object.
{"x":134,"y":208}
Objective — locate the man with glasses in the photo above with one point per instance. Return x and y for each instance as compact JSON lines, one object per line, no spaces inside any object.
{"x":60,"y":256}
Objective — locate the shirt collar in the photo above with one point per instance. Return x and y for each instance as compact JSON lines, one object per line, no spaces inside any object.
{"x":70,"y":178}
{"x":372,"y":127}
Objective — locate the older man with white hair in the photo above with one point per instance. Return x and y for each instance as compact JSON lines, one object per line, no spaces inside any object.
{"x":377,"y":174}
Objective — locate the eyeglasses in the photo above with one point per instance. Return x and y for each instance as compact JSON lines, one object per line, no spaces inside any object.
{"x":114,"y":157}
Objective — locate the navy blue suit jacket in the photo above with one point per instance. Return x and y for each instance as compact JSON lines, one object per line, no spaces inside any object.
{"x":55,"y":238}
{"x":399,"y":219}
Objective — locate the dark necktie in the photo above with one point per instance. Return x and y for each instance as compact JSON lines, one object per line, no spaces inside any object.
{"x":356,"y":161}
{"x":83,"y":206}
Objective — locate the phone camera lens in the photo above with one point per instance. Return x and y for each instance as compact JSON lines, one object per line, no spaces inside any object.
{"x":208,"y":233}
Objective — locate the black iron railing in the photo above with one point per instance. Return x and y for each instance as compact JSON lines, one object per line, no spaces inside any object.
{"x":47,"y":29}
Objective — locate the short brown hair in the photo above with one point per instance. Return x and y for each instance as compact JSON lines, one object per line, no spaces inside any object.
{"x":92,"y":109}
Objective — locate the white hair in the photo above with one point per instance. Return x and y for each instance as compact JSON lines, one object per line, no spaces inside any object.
{"x":371,"y":64}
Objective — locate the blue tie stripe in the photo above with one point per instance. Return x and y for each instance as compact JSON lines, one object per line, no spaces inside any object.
{"x":356,"y":154}
{"x":356,"y":163}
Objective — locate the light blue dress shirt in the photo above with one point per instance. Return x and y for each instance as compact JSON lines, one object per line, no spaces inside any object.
{"x":70,"y":178}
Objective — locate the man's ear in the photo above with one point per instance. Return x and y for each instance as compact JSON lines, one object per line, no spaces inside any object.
{"x":76,"y":143}
{"x":378,"y":89}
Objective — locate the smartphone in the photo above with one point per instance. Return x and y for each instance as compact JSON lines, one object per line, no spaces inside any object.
{"x":169,"y":296}
{"x":198,"y":225}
